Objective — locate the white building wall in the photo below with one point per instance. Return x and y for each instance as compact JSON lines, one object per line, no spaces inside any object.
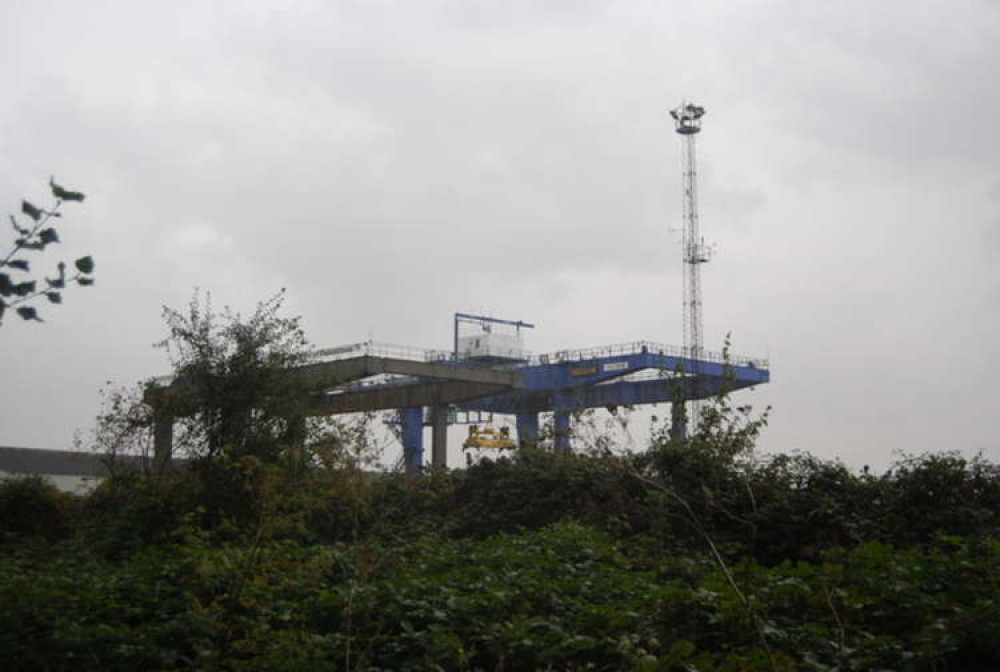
{"x":74,"y":484}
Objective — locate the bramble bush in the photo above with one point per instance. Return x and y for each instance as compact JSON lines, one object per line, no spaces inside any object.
{"x":565,"y":596}
{"x":32,"y":508}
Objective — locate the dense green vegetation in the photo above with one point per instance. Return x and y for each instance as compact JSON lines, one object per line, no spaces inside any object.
{"x":536,"y":561}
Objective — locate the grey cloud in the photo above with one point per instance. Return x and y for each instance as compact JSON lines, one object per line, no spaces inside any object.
{"x":392,"y":162}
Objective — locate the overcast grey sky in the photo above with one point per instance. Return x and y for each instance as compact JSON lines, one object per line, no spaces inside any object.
{"x":393,"y":162}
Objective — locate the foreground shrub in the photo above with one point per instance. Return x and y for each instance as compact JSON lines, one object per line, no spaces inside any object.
{"x":31,"y":507}
{"x":563,"y":597}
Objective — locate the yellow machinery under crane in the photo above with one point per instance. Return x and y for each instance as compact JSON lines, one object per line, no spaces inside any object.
{"x":487,"y":437}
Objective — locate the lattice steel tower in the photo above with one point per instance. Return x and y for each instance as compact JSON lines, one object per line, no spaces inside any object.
{"x":687,"y":119}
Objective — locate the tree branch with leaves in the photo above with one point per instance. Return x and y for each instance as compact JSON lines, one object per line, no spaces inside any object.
{"x":19,"y":288}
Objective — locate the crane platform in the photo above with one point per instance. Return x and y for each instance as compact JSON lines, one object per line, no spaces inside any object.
{"x":431,"y":387}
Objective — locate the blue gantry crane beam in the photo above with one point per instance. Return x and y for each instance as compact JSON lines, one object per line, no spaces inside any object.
{"x":566,"y":382}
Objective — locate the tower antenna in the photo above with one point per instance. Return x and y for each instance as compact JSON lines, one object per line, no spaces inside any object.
{"x":687,"y":121}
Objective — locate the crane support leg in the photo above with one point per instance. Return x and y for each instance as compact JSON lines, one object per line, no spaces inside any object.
{"x":678,"y":420}
{"x":163,"y":440}
{"x":527,"y":429}
{"x":561,"y":427}
{"x":439,"y":436}
{"x":413,"y":439}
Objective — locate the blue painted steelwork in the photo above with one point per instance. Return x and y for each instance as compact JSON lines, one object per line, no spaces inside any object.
{"x":563,"y":387}
{"x":561,"y":429}
{"x":527,"y":427}
{"x":589,"y":383}
{"x":565,"y":382}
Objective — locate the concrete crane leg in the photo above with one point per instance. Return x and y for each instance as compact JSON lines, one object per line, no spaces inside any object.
{"x":413,"y":439}
{"x":439,"y":436}
{"x":163,"y":441}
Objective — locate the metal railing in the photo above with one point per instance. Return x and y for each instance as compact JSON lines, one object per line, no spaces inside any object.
{"x":576,"y":355}
{"x":374,"y":349}
{"x":415,"y":354}
{"x":643,"y":347}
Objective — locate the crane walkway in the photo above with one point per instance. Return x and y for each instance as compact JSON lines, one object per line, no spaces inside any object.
{"x":416,"y":354}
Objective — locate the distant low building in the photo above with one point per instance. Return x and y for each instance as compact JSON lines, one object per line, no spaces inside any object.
{"x":67,"y":470}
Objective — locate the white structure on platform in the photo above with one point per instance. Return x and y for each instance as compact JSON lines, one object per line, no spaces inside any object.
{"x":491,"y":345}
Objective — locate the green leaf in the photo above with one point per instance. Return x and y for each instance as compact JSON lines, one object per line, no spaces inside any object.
{"x":24,"y":288}
{"x":48,"y":236}
{"x":19,"y":264}
{"x":28,"y":313}
{"x":21,"y":230}
{"x":682,"y":650}
{"x":85,"y":282}
{"x":26,"y":244}
{"x":64,"y":194}
{"x":53,"y":297}
{"x":6,"y":286}
{"x":31,"y":211}
{"x":85,"y":265}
